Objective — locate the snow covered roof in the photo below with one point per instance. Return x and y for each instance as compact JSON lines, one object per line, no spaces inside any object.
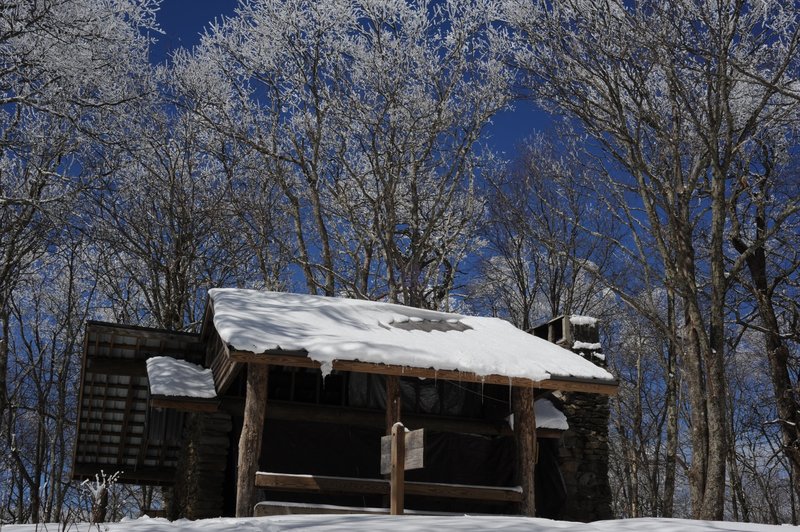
{"x":583,"y":320}
{"x":330,"y":329}
{"x":172,"y":377}
{"x":548,"y":416}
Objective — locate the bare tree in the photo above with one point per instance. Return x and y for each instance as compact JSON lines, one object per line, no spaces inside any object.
{"x":367,"y":115}
{"x":547,"y":257}
{"x":49,"y":308}
{"x":668,"y":91}
{"x":542,"y":261}
{"x":765,"y":217}
{"x":66,"y":68}
{"x":164,"y":222}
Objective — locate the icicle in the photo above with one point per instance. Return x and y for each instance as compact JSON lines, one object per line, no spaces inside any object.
{"x":326,"y":368}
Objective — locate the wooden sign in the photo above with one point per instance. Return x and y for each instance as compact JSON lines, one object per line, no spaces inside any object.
{"x":414,"y":451}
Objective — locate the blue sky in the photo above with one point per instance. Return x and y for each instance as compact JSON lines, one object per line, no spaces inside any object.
{"x":183,"y":20}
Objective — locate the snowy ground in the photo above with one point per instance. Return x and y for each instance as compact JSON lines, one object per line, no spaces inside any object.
{"x":372,"y":523}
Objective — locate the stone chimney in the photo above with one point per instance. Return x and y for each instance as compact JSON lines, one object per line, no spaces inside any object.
{"x":583,"y":452}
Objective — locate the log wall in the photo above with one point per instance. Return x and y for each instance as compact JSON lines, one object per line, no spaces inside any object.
{"x":198,"y":490}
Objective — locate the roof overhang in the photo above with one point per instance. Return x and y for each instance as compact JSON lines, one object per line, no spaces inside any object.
{"x":300,"y":359}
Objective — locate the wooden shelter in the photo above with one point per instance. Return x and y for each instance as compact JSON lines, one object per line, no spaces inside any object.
{"x":287,"y":396}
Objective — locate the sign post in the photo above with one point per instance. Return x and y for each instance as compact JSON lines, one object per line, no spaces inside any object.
{"x":398,"y":489}
{"x":400,"y":451}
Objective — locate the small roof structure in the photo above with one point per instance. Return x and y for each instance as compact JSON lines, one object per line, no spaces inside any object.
{"x":172,"y":377}
{"x":116,"y":429}
{"x":548,"y":416}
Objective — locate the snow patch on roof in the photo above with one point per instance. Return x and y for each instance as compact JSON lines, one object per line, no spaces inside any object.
{"x":548,"y":416}
{"x":178,"y":378}
{"x":586,"y":345}
{"x":330,"y":328}
{"x":583,"y":320}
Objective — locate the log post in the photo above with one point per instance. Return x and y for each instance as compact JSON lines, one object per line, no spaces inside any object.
{"x":393,"y":402}
{"x":525,"y":433}
{"x":393,"y":406}
{"x":250,"y":439}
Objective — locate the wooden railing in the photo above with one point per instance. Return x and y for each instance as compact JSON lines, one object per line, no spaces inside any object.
{"x":368,"y":486}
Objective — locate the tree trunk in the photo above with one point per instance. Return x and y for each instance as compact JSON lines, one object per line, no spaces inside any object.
{"x":671,"y":450}
{"x":714,"y":351}
{"x":778,"y":356}
{"x":4,"y":352}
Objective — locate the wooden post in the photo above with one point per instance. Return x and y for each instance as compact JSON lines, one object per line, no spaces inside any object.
{"x":393,"y":406}
{"x":525,"y":432}
{"x":393,"y":402}
{"x":398,"y":469}
{"x":250,"y":440}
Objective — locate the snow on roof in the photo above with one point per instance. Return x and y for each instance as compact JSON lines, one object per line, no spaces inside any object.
{"x":330,"y":328}
{"x":178,"y":378}
{"x":583,"y":320}
{"x":587,"y":345}
{"x":548,"y":416}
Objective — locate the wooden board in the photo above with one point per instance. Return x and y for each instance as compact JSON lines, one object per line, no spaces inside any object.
{"x":267,"y":508}
{"x":363,"y":417}
{"x":301,"y":360}
{"x":369,"y":486}
{"x":184,"y":404}
{"x":414,"y":451}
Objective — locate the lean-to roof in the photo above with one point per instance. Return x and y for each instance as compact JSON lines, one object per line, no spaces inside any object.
{"x":116,"y":430}
{"x":369,"y":336}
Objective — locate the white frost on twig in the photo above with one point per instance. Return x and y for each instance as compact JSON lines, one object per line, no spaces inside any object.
{"x":100,"y":484}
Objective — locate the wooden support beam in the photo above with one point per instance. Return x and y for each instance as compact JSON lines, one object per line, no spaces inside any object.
{"x":218,"y":358}
{"x":112,"y":422}
{"x":138,"y":330}
{"x":300,"y":359}
{"x":184,"y":404}
{"x":131,"y":367}
{"x":525,"y":432}
{"x":250,"y":440}
{"x":123,"y":433}
{"x":393,"y":402}
{"x":369,"y":486}
{"x":397,"y":479}
{"x":362,"y":417}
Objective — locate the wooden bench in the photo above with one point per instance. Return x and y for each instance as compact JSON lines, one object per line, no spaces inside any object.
{"x":368,"y":486}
